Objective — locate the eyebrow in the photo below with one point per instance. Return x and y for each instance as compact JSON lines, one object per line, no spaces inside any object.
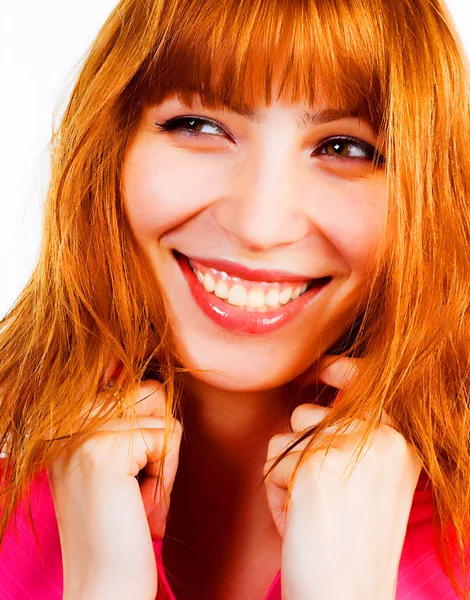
{"x":308,"y":118}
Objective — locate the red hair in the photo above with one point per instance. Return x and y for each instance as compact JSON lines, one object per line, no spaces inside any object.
{"x":93,"y":299}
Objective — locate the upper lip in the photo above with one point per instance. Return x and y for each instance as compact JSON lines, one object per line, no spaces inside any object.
{"x":238,"y":270}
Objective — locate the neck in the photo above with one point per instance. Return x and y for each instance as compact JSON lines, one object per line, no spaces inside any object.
{"x":219,"y":515}
{"x":218,"y":503}
{"x":223,"y":451}
{"x":236,"y":424}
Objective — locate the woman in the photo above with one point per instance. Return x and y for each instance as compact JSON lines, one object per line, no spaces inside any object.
{"x":253,"y":205}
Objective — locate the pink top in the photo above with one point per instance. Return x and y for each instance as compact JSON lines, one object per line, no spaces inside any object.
{"x":23,"y":576}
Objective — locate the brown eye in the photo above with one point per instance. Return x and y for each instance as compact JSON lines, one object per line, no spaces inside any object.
{"x":345,"y":147}
{"x":191,"y":126}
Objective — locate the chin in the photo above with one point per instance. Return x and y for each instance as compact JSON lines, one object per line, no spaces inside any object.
{"x":238,"y":381}
{"x":230,"y":368}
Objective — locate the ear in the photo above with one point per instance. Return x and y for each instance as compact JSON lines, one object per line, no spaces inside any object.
{"x":113,"y":370}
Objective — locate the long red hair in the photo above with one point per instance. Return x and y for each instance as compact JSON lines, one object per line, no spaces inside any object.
{"x":92,"y":298}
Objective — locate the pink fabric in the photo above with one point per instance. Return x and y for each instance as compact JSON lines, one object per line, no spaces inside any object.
{"x":164,"y":590}
{"x":25,"y":574}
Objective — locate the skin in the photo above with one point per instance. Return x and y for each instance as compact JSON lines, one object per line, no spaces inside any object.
{"x":262,"y":200}
{"x":264,"y":196}
{"x":96,"y":493}
{"x":337,"y":521}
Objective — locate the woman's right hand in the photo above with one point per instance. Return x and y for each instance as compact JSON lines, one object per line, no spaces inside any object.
{"x":106,"y":518}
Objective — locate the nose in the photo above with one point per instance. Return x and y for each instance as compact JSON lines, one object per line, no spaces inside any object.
{"x":263,"y":208}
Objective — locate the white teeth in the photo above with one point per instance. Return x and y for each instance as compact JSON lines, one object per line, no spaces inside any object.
{"x":272,"y":298}
{"x":285,"y":296}
{"x":209,"y":283}
{"x":296,"y":293}
{"x":221,"y":290}
{"x":255,"y":298}
{"x":253,"y":301}
{"x":237,"y":296}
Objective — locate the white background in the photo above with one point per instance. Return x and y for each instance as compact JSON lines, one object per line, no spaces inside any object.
{"x":41,"y":45}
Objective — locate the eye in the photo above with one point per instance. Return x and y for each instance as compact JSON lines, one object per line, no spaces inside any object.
{"x":193,"y":126}
{"x":343,"y":147}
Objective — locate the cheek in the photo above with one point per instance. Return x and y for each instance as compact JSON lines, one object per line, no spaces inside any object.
{"x":352,"y":216}
{"x":162,"y":190}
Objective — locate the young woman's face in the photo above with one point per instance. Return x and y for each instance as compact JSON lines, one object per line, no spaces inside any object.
{"x":264,"y":202}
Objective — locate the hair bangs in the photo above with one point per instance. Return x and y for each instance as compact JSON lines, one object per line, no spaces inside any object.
{"x":238,"y":53}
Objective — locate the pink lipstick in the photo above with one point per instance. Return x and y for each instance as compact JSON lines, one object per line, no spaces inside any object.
{"x":245,"y":319}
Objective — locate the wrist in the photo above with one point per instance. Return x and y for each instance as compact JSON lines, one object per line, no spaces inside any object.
{"x":106,"y":588}
{"x":333,"y":591}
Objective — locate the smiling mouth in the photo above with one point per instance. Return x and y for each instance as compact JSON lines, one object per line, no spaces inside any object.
{"x":241,"y":300}
{"x":249,"y":295}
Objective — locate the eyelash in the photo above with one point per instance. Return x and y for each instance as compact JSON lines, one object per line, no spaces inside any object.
{"x":176,"y":123}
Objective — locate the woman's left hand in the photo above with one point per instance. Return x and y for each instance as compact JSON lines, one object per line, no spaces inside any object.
{"x":342,"y":535}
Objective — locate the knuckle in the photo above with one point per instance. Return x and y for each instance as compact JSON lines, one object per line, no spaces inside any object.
{"x":120,"y":446}
{"x":175,"y":424}
{"x":391,"y":441}
{"x":145,"y":447}
{"x":151,"y":385}
{"x":278,"y":443}
{"x":402,"y":450}
{"x":151,"y":398}
{"x":307,"y":415}
{"x":153,"y":442}
{"x":320,"y":465}
{"x":299,"y":414}
{"x":176,"y":428}
{"x":96,"y":449}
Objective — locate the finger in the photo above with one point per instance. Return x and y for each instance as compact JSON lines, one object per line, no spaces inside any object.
{"x":156,"y":504}
{"x":307,"y":415}
{"x":122,"y":450}
{"x":156,"y":493}
{"x":338,"y":372}
{"x":171,"y":454}
{"x":276,"y":498}
{"x":385,"y":419}
{"x":141,"y":422}
{"x":281,"y":475}
{"x":280,"y":442}
{"x":150,"y":400}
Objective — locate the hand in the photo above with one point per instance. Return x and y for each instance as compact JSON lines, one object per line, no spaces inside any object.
{"x":343,"y":534}
{"x":106,"y":518}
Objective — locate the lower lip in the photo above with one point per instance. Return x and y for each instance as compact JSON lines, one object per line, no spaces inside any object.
{"x":239,"y":320}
